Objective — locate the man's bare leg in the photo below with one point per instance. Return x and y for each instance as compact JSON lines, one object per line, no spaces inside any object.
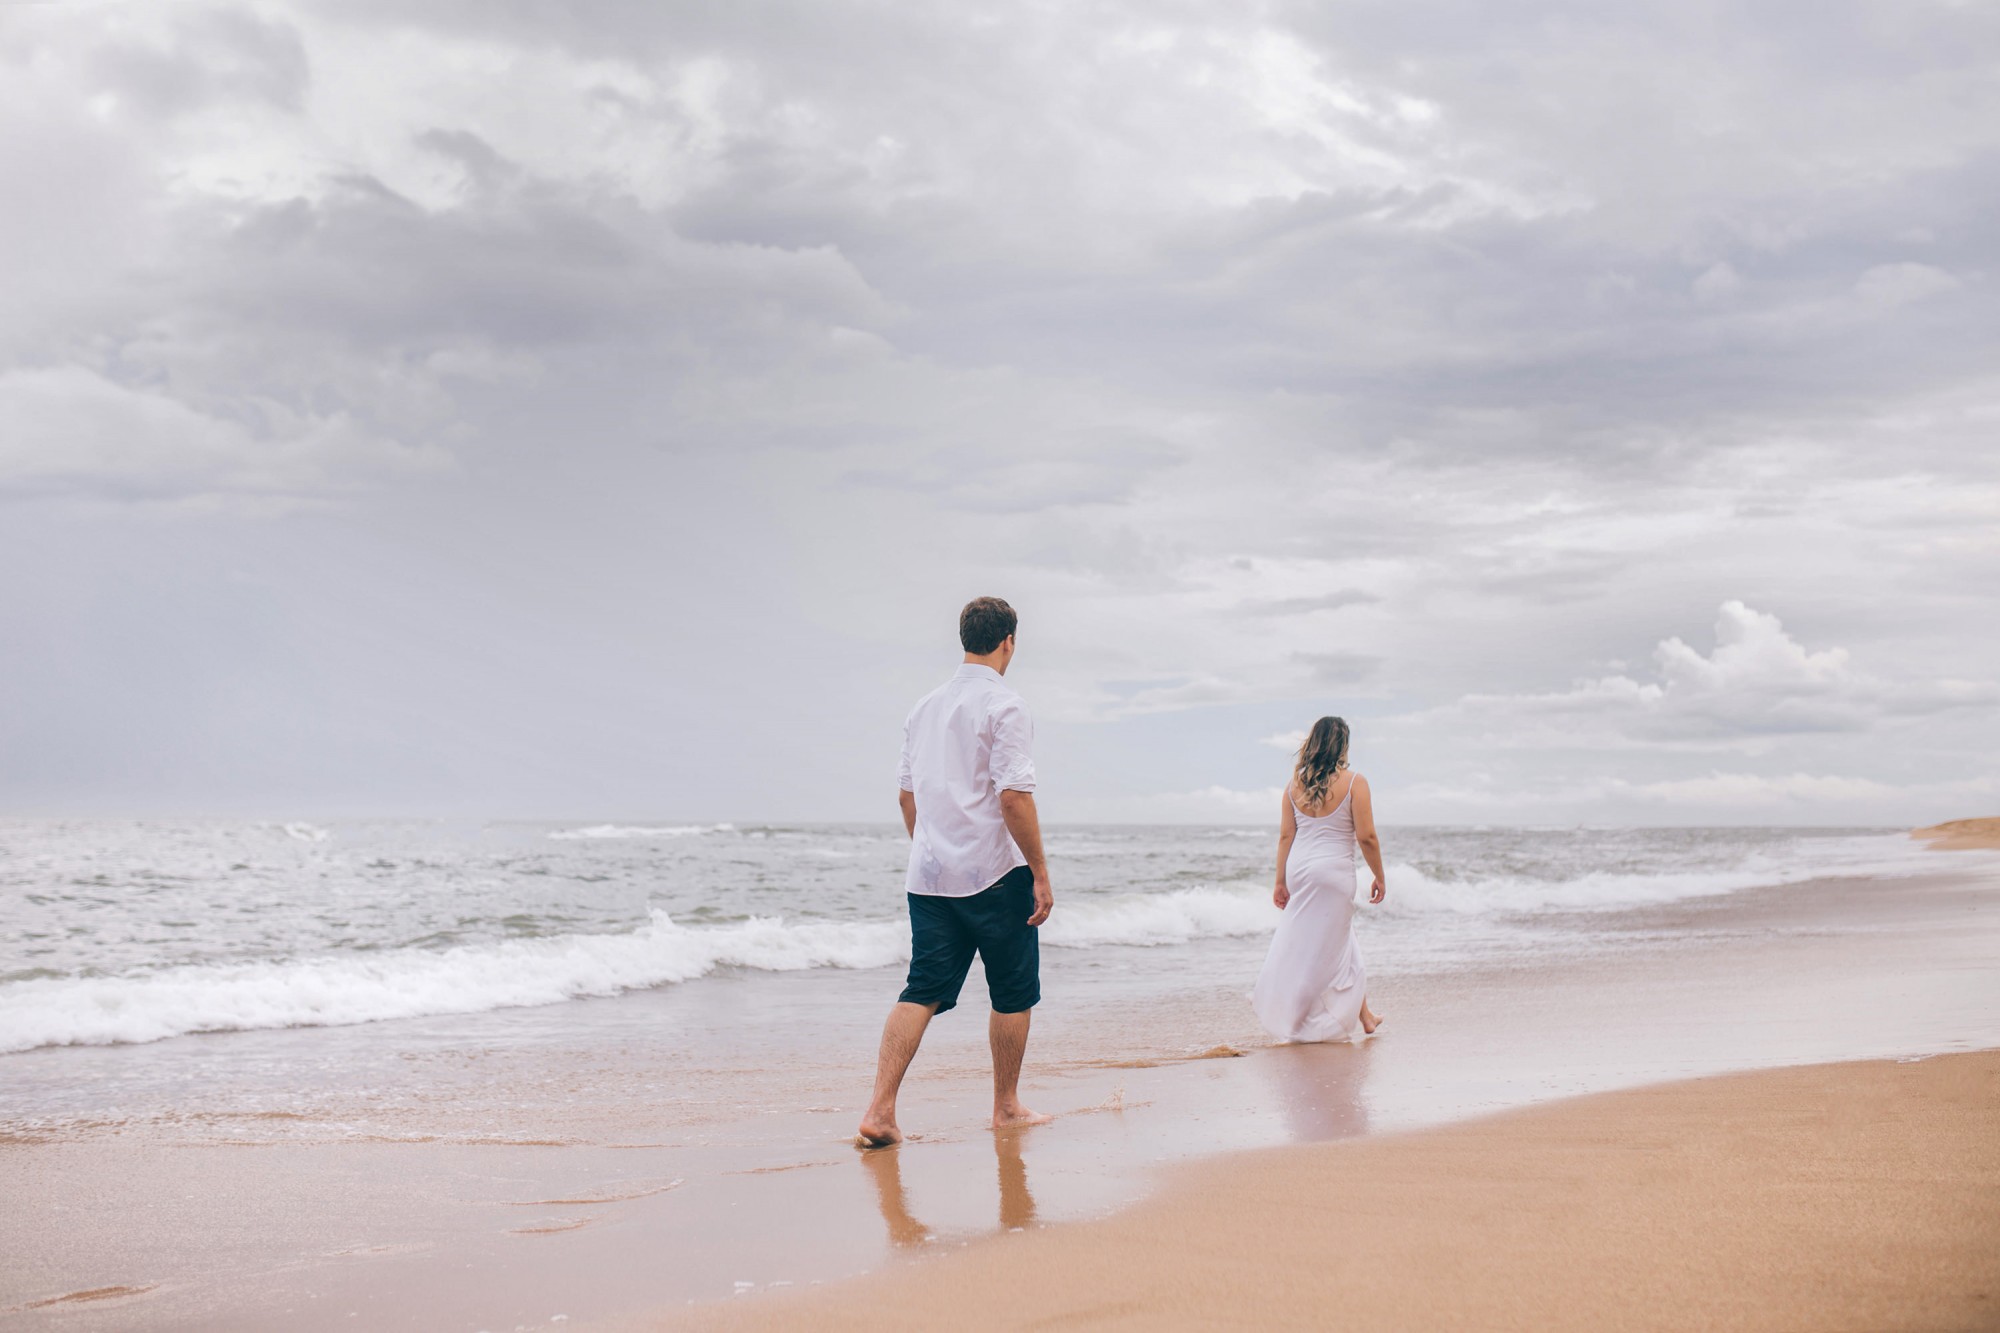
{"x":901,"y":1036}
{"x":1009,"y":1035}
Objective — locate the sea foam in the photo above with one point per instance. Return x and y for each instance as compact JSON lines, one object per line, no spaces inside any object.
{"x":1416,"y":891}
{"x":639,"y":831}
{"x":1180,"y":916}
{"x":341,"y":989}
{"x":84,"y":1006}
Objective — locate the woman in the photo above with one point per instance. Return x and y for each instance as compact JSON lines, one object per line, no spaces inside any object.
{"x":1313,"y":985}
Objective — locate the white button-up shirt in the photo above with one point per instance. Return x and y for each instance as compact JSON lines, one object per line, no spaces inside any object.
{"x":965,"y":742}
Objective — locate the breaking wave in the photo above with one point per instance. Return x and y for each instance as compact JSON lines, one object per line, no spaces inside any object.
{"x":626,"y":831}
{"x":39,"y":1009}
{"x":412,"y":983}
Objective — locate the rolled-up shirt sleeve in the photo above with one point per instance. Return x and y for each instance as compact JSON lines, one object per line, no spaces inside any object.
{"x":903,"y":778}
{"x":1013,"y":748}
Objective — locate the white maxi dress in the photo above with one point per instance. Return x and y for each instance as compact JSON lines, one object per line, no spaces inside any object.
{"x":1313,"y":980}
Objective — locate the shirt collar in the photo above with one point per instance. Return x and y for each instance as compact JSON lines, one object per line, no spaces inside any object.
{"x":975,"y":671}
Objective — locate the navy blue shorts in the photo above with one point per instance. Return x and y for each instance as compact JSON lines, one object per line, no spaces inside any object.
{"x":993,"y":923}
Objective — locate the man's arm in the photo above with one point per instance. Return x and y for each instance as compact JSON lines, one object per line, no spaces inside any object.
{"x":908,"y":800}
{"x":1017,"y":808}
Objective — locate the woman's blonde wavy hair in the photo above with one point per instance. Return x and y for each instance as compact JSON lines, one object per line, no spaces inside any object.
{"x":1321,"y":758}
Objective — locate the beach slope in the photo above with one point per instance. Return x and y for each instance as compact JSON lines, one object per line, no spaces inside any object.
{"x":1962,"y":835}
{"x":1850,"y":1196}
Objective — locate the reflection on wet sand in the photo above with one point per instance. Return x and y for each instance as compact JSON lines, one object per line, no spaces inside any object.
{"x":1319,"y":1087}
{"x":886,"y":1166}
{"x":1017,"y":1205}
{"x":1017,"y":1202}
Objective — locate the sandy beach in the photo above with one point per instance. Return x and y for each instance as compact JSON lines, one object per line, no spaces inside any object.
{"x":1850,"y":1196}
{"x":1962,"y":835}
{"x":630,"y":1160}
{"x":848,"y":665}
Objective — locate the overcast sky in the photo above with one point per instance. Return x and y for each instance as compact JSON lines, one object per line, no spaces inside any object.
{"x":601,"y":409}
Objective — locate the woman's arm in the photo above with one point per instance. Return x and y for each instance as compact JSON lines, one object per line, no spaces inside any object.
{"x":1288,"y":828}
{"x":1364,"y":834}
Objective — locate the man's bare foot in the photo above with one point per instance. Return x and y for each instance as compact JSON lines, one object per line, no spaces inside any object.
{"x":1018,"y":1115}
{"x":878,"y":1132}
{"x":1370,"y":1020}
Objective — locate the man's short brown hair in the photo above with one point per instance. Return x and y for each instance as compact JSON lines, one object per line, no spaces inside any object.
{"x":984,"y":624}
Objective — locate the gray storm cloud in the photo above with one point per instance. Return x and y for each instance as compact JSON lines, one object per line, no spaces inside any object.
{"x":602,"y":409}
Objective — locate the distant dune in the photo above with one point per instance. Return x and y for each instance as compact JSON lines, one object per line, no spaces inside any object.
{"x":1960,"y":835}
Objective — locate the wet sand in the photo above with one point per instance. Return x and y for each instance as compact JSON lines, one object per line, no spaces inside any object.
{"x":597,"y":1197}
{"x":1854,"y":1196}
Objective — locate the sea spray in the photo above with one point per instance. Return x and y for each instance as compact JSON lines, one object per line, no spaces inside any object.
{"x":410,"y":983}
{"x":362,"y":988}
{"x":638,"y":831}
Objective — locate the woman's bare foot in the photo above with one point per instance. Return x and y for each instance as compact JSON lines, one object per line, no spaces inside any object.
{"x":1370,"y":1020}
{"x":1017,"y":1115}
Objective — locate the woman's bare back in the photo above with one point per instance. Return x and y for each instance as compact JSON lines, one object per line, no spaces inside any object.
{"x":1336,"y":792}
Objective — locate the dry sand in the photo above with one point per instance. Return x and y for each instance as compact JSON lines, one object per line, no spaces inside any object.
{"x":1853,"y":1196}
{"x":1962,"y":835}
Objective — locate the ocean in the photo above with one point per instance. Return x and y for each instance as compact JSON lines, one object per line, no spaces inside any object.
{"x":599,"y":1069}
{"x":132,"y":932}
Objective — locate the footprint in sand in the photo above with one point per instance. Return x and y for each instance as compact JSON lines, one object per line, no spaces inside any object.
{"x":550,"y":1227}
{"x":773,"y":1170}
{"x":623,"y":1191}
{"x":91,"y":1294}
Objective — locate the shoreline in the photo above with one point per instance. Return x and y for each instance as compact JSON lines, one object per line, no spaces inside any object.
{"x":1860,"y":1195}
{"x":403,"y":1205}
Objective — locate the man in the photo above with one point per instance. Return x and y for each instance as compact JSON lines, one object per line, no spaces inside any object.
{"x":977,"y":882}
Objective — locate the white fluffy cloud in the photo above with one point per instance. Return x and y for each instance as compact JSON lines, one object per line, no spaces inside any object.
{"x":1898,"y":284}
{"x":1758,"y":682}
